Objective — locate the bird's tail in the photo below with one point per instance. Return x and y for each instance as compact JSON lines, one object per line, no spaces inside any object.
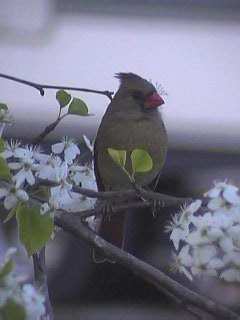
{"x":112,"y":230}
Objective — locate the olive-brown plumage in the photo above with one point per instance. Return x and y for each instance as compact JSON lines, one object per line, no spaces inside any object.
{"x":131,"y":121}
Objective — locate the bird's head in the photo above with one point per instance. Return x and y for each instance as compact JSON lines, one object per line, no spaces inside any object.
{"x":140,"y":89}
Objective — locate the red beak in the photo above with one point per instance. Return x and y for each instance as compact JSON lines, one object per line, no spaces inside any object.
{"x":154,"y":101}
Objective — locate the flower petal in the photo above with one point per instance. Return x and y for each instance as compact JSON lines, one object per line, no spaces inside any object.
{"x":58,"y":148}
{"x":231,"y":275}
{"x":22,"y":195}
{"x":30,"y":177}
{"x":194,"y":206}
{"x":215,"y":203}
{"x":7,"y":154}
{"x":3,"y":193}
{"x":230,"y":194}
{"x":10,"y":201}
{"x":15,"y":165}
{"x":226,"y":244}
{"x":213,"y":193}
{"x":19,"y":178}
{"x":203,"y":254}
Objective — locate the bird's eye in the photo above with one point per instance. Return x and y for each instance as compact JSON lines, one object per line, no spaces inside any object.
{"x":150,"y":94}
{"x":137,"y":95}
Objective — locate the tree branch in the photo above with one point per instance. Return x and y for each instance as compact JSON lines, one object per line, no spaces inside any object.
{"x":132,"y":194}
{"x":165,"y":199}
{"x":71,"y":223}
{"x":41,"y":87}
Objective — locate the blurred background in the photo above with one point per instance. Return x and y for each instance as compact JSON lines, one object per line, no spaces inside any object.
{"x":192,"y":49}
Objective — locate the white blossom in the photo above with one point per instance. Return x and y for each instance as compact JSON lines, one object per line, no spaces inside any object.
{"x":203,"y":254}
{"x":84,"y":176}
{"x":215,"y":192}
{"x":25,"y":174}
{"x":234,"y":233}
{"x":33,"y":301}
{"x":10,"y":149}
{"x":216,"y":263}
{"x":12,"y":196}
{"x":26,"y":153}
{"x":25,"y":295}
{"x":226,"y":244}
{"x":232,"y":258}
{"x":222,"y":219}
{"x":179,"y":225}
{"x":214,"y":234}
{"x":216,"y":203}
{"x":76,"y":173}
{"x":231,"y":275}
{"x":209,"y":238}
{"x":230,"y":194}
{"x":68,"y":147}
{"x":177,"y":235}
{"x":25,"y":165}
{"x":61,"y":193}
{"x":203,"y":271}
{"x":194,"y":206}
{"x":197,"y":238}
{"x":178,"y":229}
{"x":47,"y":167}
{"x":182,"y":262}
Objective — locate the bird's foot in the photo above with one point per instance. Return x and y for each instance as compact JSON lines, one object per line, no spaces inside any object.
{"x":107,"y":210}
{"x":156,"y":205}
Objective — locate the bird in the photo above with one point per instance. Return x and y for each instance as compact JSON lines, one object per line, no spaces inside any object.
{"x":131,"y":121}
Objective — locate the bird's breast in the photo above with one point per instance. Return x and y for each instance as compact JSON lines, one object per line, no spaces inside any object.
{"x":129,"y":132}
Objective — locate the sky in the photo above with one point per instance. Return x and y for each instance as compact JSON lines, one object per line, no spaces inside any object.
{"x":195,"y":60}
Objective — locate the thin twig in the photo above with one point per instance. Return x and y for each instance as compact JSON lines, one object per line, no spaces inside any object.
{"x":164,"y":199}
{"x":72,"y":224}
{"x":46,"y":131}
{"x":41,"y":87}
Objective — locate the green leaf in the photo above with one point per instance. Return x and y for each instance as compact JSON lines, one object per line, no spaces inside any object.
{"x":78,"y":107}
{"x":12,"y":311}
{"x":4,"y":170}
{"x":3,"y":106}
{"x":118,"y":156}
{"x":6,"y":269}
{"x":63,"y":98}
{"x":2,"y":145}
{"x":34,"y":229}
{"x":141,"y":161}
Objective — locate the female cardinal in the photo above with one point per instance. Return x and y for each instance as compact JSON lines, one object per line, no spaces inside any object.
{"x":131,"y":121}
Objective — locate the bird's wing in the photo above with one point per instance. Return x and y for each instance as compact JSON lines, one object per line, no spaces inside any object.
{"x":96,"y":170}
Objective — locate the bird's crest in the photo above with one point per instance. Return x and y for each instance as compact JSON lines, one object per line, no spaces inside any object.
{"x":123,"y":76}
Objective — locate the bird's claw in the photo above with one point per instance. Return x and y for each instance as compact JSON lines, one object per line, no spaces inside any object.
{"x":156,"y":205}
{"x":107,"y":210}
